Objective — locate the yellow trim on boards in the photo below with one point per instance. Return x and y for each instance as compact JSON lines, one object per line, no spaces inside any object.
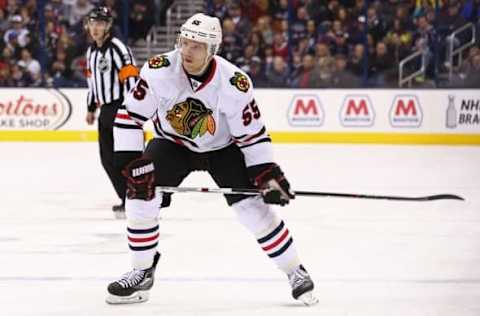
{"x":277,"y":137}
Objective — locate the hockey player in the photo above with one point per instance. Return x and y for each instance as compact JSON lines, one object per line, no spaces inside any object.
{"x":205,"y":118}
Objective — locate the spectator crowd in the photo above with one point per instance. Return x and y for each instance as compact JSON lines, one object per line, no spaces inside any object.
{"x":279,"y":43}
{"x":47,"y":50}
{"x":343,"y":43}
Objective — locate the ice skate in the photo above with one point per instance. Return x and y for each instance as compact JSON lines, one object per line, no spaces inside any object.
{"x":133,"y":286}
{"x":119,"y":211}
{"x":302,"y":286}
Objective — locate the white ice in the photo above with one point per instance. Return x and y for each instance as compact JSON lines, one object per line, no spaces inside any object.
{"x":60,"y":246}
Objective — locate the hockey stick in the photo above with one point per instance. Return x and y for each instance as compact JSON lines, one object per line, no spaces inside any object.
{"x":310,"y":193}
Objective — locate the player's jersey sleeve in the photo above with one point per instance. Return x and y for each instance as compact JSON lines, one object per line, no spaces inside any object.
{"x":139,"y":106}
{"x":247,"y":128}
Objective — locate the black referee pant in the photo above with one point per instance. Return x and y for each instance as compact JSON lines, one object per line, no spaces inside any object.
{"x":105,"y":141}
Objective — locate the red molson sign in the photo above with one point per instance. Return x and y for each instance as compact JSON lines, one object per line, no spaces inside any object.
{"x":33,"y":109}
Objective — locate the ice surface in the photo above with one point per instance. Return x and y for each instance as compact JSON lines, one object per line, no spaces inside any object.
{"x":60,"y":246}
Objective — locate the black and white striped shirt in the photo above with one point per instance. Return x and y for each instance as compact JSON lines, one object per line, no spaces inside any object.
{"x":111,"y":72}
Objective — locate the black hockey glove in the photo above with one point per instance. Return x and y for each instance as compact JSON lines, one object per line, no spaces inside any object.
{"x":270,"y":179}
{"x":140,"y":174}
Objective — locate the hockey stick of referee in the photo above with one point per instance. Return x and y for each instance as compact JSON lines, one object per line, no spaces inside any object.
{"x":160,"y":189}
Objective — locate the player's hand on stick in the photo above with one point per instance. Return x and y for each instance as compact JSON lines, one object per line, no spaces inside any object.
{"x":140,"y":174}
{"x":270,"y":179}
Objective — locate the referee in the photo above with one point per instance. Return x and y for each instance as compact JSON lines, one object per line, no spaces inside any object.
{"x":111,"y":72}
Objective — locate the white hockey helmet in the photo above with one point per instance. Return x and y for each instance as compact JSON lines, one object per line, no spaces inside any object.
{"x":204,"y":29}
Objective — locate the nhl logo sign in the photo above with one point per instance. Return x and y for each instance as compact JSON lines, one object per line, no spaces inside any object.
{"x":103,"y":65}
{"x":306,"y":110}
{"x":406,"y":111}
{"x":357,"y":111}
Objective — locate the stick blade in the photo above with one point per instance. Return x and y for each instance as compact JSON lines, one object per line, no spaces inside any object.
{"x":445,"y":197}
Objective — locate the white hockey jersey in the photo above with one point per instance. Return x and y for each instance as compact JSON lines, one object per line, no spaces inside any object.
{"x":201,"y":116}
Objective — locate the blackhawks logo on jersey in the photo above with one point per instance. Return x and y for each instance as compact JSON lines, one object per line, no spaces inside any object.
{"x":158,"y":61}
{"x":240,"y":81}
{"x":191,"y":118}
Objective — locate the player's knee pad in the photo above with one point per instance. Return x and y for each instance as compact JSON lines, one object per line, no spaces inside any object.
{"x":140,"y":210}
{"x":255,"y":215}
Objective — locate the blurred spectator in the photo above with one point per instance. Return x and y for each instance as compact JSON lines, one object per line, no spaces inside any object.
{"x":337,"y":37}
{"x":253,"y":10}
{"x":472,"y":78}
{"x":256,"y":41}
{"x":342,"y":77}
{"x":376,"y":25}
{"x":280,"y":46}
{"x":296,"y":63}
{"x":5,"y":77}
{"x":32,"y":66}
{"x":4,"y":24}
{"x":302,"y":47}
{"x":232,"y":41}
{"x":79,"y":9}
{"x":19,"y":77}
{"x":242,"y":23}
{"x":66,"y":44}
{"x":423,"y":40}
{"x":356,"y":61}
{"x":382,"y":64}
{"x":218,"y":9}
{"x":265,"y":29}
{"x":399,"y":40}
{"x":451,"y":19}
{"x":423,"y":6}
{"x":140,"y":19}
{"x":244,"y":62}
{"x":115,"y":7}
{"x":280,"y":12}
{"x":60,"y":10}
{"x":311,"y":35}
{"x":468,"y":62}
{"x":59,"y":74}
{"x":315,"y":8}
{"x":8,"y":55}
{"x":12,"y":7}
{"x":325,"y":63}
{"x":257,"y":74}
{"x":79,"y":68}
{"x":471,"y":10}
{"x":17,"y":35}
{"x":268,"y":58}
{"x":298,"y":28}
{"x":277,"y":75}
{"x":307,"y":75}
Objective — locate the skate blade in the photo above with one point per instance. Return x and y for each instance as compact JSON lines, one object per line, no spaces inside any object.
{"x":308,"y":299}
{"x":137,"y":297}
